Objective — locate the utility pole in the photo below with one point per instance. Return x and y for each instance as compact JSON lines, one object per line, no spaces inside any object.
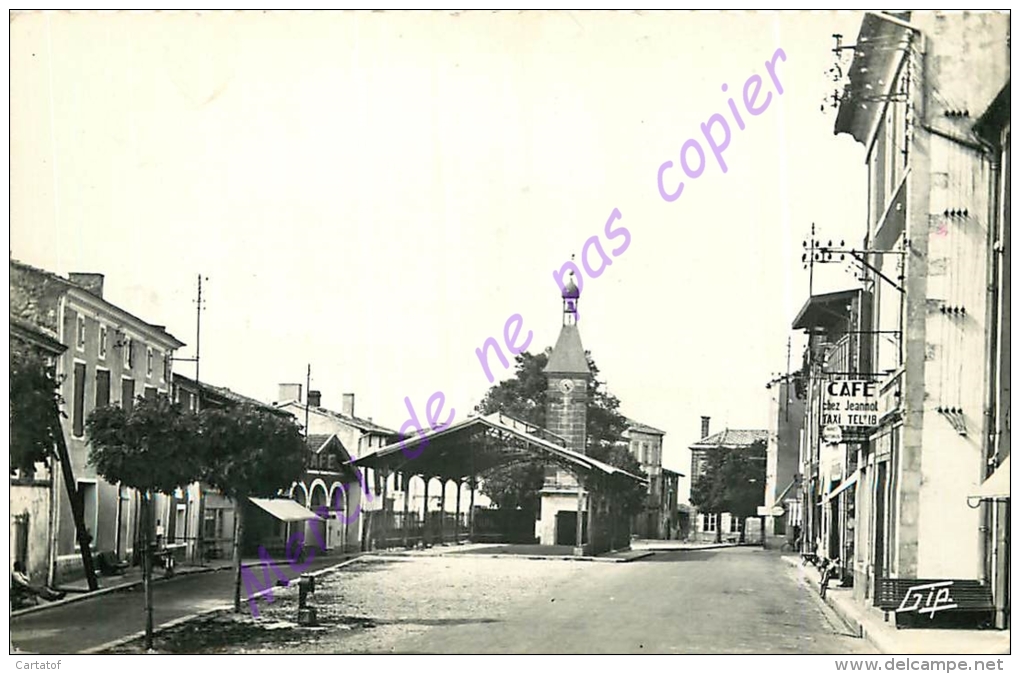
{"x":199,"y":307}
{"x":786,"y":389}
{"x":198,"y":331}
{"x":308,"y":383}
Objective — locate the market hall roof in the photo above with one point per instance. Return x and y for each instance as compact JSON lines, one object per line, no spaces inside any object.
{"x":474,"y":445}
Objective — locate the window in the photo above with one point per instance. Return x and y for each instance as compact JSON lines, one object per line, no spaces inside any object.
{"x":78,"y":413}
{"x":711,"y":522}
{"x":80,"y":341}
{"x":149,"y":356}
{"x":167,"y":359}
{"x":102,"y":388}
{"x":150,"y":393}
{"x":127,"y":394}
{"x":129,"y":352}
{"x":734,"y":524}
{"x":102,"y":342}
{"x":180,"y":523}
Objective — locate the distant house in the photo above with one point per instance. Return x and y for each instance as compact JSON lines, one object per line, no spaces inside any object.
{"x":344,"y":437}
{"x":710,"y":526}
{"x":645,"y":445}
{"x":112,"y":357}
{"x":200,"y":518}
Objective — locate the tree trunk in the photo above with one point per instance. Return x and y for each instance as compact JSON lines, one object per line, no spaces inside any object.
{"x":77,"y":507}
{"x":147,"y":564}
{"x":238,"y":538}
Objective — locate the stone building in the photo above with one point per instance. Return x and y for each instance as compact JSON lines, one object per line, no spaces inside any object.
{"x":782,"y":473}
{"x":340,"y":434}
{"x":645,"y":444}
{"x":112,"y":356}
{"x":712,"y":526}
{"x":936,"y":237}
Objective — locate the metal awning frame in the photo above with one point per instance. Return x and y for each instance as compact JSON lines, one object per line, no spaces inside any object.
{"x":477,"y":444}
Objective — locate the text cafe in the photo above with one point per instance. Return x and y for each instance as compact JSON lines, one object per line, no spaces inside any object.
{"x":850,"y":404}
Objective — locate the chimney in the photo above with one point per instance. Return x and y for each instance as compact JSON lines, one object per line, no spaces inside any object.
{"x":704,"y":427}
{"x":289,"y":392}
{"x":91,"y":282}
{"x":314,"y":398}
{"x":348,"y":404}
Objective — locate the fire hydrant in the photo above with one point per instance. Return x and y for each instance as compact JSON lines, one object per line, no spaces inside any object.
{"x":306,"y":612}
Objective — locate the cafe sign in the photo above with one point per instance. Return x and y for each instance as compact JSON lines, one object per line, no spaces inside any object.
{"x":850,"y":404}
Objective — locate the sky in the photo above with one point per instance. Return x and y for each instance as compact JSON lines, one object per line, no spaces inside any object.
{"x":374,"y":194}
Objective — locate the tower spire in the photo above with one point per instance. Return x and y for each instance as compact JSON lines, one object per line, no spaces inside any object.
{"x":571,"y":297}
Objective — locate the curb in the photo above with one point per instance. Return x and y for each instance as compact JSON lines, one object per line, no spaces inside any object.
{"x":564,"y":558}
{"x":712,"y":546}
{"x":222,"y":607}
{"x":108,"y":590}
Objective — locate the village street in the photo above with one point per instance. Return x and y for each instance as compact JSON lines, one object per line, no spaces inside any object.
{"x":735,"y":600}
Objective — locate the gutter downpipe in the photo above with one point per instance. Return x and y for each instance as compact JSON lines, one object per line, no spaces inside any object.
{"x":989,"y":509}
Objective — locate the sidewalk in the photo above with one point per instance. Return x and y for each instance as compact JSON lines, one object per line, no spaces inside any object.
{"x":870,"y":623}
{"x":87,"y":621}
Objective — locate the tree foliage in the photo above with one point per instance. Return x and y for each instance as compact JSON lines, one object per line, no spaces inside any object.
{"x":154,"y":447}
{"x":34,"y":403}
{"x":734,"y":481}
{"x":517,"y":485}
{"x":247,"y":451}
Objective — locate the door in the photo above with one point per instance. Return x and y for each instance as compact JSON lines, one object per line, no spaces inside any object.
{"x":123,"y":521}
{"x":878,"y":523}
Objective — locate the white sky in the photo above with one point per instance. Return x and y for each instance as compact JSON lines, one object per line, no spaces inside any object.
{"x":376,"y":193}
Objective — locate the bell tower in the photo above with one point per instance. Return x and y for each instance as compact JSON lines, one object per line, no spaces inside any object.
{"x":568,"y":377}
{"x":568,"y":383}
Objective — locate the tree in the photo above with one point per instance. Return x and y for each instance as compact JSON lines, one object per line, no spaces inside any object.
{"x":152,"y":448}
{"x":519,"y":484}
{"x":37,"y":436}
{"x":248,"y":451}
{"x":734,"y":481}
{"x":34,"y":396}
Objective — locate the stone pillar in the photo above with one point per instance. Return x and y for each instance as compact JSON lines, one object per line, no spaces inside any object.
{"x":471,"y":514}
{"x":579,"y":536}
{"x":456,"y":522}
{"x":442,"y":511}
{"x":407,"y":509}
{"x":425,"y":513}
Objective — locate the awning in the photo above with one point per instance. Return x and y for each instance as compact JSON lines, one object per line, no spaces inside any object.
{"x":285,"y":509}
{"x":996,"y":486}
{"x":849,"y":482}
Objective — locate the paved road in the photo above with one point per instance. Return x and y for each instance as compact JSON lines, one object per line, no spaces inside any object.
{"x":735,"y":600}
{"x":79,"y":626}
{"x":720,"y":601}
